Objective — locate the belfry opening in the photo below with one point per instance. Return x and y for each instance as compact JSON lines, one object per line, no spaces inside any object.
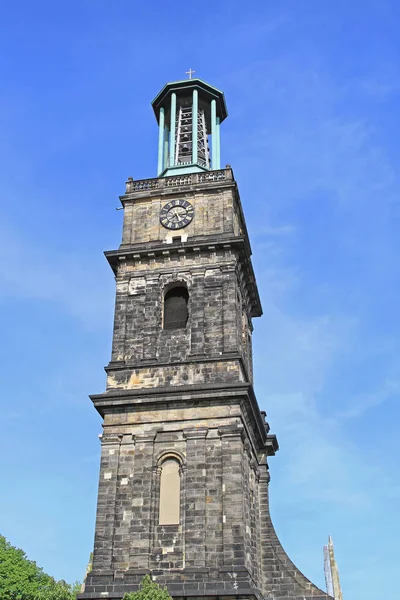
{"x":189,"y":115}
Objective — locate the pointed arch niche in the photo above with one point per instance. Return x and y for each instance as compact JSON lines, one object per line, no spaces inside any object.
{"x":170,"y":489}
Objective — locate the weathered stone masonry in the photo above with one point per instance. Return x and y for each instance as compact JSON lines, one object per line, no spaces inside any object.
{"x":186,"y":393}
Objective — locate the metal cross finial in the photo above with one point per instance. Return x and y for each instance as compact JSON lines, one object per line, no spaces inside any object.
{"x":190,"y":73}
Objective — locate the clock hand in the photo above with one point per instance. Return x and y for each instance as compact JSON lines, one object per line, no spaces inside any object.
{"x":177,"y":214}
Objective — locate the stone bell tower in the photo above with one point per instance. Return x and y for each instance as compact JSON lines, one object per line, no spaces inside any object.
{"x":183,"y":491}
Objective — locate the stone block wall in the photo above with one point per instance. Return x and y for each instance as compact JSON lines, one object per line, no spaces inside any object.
{"x":215,"y":207}
{"x":224,"y":540}
{"x":215,"y":525}
{"x":218,"y":323}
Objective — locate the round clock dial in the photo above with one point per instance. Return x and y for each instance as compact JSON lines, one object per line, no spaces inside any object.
{"x":176,"y":214}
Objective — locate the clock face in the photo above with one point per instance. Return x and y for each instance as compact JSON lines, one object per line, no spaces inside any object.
{"x":176,"y":214}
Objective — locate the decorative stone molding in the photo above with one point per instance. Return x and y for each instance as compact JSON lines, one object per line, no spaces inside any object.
{"x":231,"y":431}
{"x":111,"y":438}
{"x":195,"y":433}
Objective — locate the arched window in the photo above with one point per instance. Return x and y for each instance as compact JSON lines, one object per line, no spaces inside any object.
{"x":170,"y":492}
{"x":176,"y":307}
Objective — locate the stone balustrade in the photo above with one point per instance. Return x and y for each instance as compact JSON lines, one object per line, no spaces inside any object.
{"x":177,"y":181}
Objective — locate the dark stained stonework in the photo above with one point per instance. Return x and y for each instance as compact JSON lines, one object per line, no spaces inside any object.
{"x":188,"y":392}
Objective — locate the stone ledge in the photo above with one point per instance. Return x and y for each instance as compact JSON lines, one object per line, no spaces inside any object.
{"x":192,"y":359}
{"x":225,"y":392}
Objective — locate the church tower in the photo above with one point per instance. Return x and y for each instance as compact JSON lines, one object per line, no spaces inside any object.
{"x":183,"y":490}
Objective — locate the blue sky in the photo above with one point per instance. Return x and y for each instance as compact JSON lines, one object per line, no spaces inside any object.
{"x":312,"y":91}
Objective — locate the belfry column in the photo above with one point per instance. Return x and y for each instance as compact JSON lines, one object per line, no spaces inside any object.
{"x":218,"y":144}
{"x":166,"y":147}
{"x":172,"y":131}
{"x":161,"y":142}
{"x":214,"y":144}
{"x":194,"y":125}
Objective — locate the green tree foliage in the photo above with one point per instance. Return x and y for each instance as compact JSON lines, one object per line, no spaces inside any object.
{"x":22,"y":579}
{"x":149,"y":590}
{"x":59,"y":590}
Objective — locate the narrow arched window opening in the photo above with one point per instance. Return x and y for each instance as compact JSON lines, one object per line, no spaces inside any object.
{"x":176,"y":307}
{"x":170,"y":492}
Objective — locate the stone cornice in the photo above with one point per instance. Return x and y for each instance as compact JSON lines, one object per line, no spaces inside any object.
{"x":224,"y":392}
{"x":121,"y":365}
{"x":205,"y":246}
